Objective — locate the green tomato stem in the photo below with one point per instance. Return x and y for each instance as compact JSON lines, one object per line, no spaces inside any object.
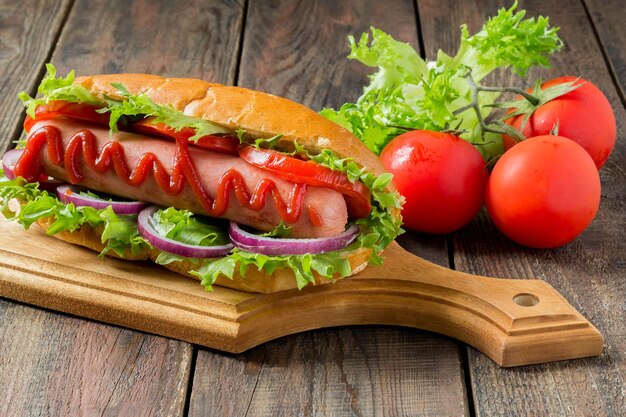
{"x":475,"y":89}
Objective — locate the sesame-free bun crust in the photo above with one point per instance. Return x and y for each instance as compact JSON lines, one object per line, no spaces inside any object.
{"x":259,"y":114}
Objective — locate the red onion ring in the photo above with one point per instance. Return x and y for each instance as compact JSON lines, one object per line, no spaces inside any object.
{"x":9,"y":160}
{"x":148,"y":232}
{"x":70,"y":194}
{"x":279,"y":246}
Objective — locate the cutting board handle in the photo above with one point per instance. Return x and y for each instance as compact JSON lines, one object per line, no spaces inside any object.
{"x":513,"y":321}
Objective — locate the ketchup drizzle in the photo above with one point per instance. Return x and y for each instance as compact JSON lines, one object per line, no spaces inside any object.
{"x":112,"y":155}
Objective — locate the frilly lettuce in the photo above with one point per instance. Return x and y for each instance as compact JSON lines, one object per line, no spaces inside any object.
{"x":119,"y":232}
{"x":132,"y":106}
{"x":52,"y":88}
{"x":141,"y":105}
{"x":407,"y":93}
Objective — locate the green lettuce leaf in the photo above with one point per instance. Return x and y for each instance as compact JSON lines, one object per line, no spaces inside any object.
{"x":165,"y":258}
{"x":185,"y":227}
{"x":408,"y":94}
{"x":119,"y":231}
{"x":141,"y":106}
{"x":52,"y":88}
{"x":325,"y":264}
{"x":282,"y":230}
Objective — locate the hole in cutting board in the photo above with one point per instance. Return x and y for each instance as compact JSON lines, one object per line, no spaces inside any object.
{"x":525,"y":300}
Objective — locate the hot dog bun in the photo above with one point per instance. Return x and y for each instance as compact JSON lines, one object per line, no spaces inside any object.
{"x":259,"y":114}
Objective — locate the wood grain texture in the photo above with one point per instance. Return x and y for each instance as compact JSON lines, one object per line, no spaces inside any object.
{"x":297,"y":49}
{"x":369,"y":371}
{"x":608,"y":17}
{"x":61,"y":365}
{"x":344,"y":372}
{"x":28,"y":30}
{"x":224,"y":384}
{"x":87,"y":368}
{"x":589,"y":272}
{"x":191,"y":38}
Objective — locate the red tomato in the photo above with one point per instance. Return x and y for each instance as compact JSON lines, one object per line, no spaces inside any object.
{"x":583,"y":115}
{"x":59,"y":108}
{"x":357,"y":195}
{"x":221,"y":144}
{"x":543,"y":192}
{"x":441,"y":176}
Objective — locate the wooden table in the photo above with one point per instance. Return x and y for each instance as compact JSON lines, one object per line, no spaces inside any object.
{"x":53,"y":364}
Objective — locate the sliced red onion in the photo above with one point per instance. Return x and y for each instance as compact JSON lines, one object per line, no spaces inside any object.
{"x":9,"y":160}
{"x":279,"y":246}
{"x":148,"y":232}
{"x":71,"y":194}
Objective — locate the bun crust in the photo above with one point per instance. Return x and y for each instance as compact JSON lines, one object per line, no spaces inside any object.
{"x":254,"y":281}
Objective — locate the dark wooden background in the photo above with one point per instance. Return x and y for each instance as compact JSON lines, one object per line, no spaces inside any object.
{"x":53,"y":364}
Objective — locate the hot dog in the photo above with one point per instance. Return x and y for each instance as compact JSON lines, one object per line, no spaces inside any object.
{"x":208,"y":151}
{"x":212,"y":166}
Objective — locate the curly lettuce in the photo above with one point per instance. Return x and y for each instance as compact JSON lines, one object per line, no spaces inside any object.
{"x":407,"y":93}
{"x":140,"y":105}
{"x":119,"y":232}
{"x":131,"y":107}
{"x":52,"y":88}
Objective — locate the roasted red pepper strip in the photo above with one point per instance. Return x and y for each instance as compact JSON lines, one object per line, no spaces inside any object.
{"x":357,"y":195}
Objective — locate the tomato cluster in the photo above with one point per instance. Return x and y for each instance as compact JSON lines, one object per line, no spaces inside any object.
{"x":542,"y":192}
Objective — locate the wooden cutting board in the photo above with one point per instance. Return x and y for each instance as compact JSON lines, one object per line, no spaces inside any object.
{"x":514,"y":322}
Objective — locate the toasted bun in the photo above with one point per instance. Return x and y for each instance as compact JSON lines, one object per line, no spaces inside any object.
{"x":254,"y":281}
{"x":260,"y":115}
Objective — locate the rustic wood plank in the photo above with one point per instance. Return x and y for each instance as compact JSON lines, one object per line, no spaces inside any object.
{"x":188,"y":38}
{"x":364,"y":372}
{"x":608,"y":18}
{"x":588,"y":272}
{"x":223,"y":384}
{"x":28,"y":30}
{"x":53,"y":364}
{"x":297,"y":50}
